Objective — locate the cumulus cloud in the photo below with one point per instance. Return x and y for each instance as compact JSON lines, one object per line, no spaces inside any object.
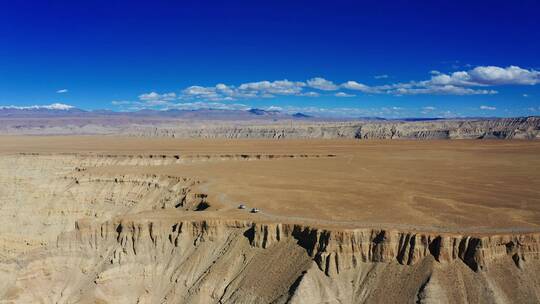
{"x":488,"y":108}
{"x":280,"y":87}
{"x":206,"y":93}
{"x":156,"y":96}
{"x":476,"y":81}
{"x":487,"y":76}
{"x":415,"y":88}
{"x":457,"y":83}
{"x":353,"y":85}
{"x":54,"y":106}
{"x":260,"y":89}
{"x":153,"y":99}
{"x":460,"y":78}
{"x":322,"y":84}
{"x":62,"y":91}
{"x":493,"y":75}
{"x":343,"y":94}
{"x":440,"y":90}
{"x":470,"y":82}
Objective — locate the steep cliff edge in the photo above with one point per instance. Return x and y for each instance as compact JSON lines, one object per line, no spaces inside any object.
{"x":160,"y":259}
{"x":344,"y":249}
{"x":504,"y":128}
{"x":103,"y":228}
{"x":466,"y":128}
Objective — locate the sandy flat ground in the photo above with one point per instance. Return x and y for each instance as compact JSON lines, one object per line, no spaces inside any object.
{"x":447,"y":185}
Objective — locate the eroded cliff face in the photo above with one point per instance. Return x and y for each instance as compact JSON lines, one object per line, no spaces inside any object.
{"x":344,"y":249}
{"x":503,"y":128}
{"x":219,"y":261}
{"x":82,"y":237}
{"x":506,"y":128}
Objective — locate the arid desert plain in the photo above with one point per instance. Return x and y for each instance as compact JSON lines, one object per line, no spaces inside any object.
{"x":109,"y":219}
{"x":269,"y":152}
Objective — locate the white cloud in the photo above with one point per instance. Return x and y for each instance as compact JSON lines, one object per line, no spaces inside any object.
{"x":207,"y":93}
{"x":322,"y":84}
{"x":483,"y":76}
{"x":353,"y":85}
{"x":343,"y":94}
{"x":525,"y":95}
{"x":260,"y":89}
{"x":280,"y":87}
{"x":460,"y":78}
{"x":154,"y":99}
{"x":310,"y":94}
{"x":456,"y":83}
{"x":471,"y":82}
{"x":487,"y":76}
{"x":489,"y":108}
{"x":441,"y":84}
{"x":54,"y":106}
{"x":493,"y":75}
{"x":440,"y":90}
{"x":153,"y":96}
{"x":62,"y":91}
{"x":383,"y":76}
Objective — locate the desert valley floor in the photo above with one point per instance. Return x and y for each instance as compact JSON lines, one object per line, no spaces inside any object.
{"x":104,"y":219}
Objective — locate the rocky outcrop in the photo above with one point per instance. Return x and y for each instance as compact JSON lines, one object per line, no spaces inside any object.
{"x":505,"y":128}
{"x":345,"y":249}
{"x":160,"y":259}
{"x":501,"y":128}
{"x":222,"y":261}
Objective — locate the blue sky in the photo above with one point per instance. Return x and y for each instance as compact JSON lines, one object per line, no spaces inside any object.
{"x":352,"y":58}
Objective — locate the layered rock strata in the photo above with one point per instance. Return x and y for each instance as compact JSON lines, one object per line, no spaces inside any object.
{"x":502,"y":128}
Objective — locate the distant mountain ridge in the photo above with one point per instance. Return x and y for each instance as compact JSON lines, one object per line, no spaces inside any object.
{"x":67,"y":111}
{"x":61,"y":110}
{"x":20,"y":116}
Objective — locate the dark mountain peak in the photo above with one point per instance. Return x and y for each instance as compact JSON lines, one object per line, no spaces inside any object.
{"x":301,"y":115}
{"x":256,"y":111}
